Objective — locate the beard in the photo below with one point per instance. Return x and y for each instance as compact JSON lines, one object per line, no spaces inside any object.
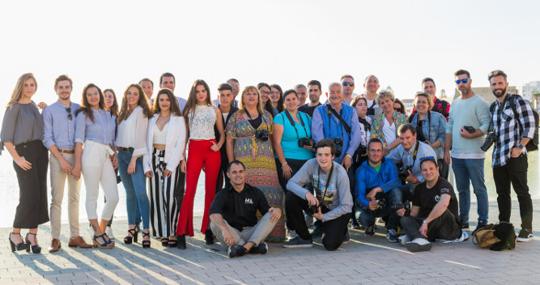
{"x":499,"y":92}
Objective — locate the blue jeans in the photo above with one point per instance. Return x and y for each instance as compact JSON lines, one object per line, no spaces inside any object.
{"x":393,"y":198}
{"x":471,"y":170}
{"x":135,"y":184}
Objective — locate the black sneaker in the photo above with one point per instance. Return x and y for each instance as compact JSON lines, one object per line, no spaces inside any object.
{"x":316,"y":232}
{"x":298,"y":242}
{"x":370,"y":230}
{"x":524,"y":236}
{"x":347,"y":237}
{"x":392,"y":236}
{"x":209,"y":237}
{"x":262,"y":248}
{"x":236,"y":250}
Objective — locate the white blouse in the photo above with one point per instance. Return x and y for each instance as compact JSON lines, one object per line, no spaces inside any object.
{"x":132,"y":132}
{"x":174,"y":142}
{"x":201,"y":123}
{"x":160,"y":136}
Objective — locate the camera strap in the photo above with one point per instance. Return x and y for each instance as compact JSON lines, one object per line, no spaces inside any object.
{"x":260,"y":116}
{"x":340,"y":118}
{"x":293,"y":123}
{"x":415,"y":152}
{"x":328,"y":178}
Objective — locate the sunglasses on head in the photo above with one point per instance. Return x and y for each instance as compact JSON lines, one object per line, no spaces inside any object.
{"x":345,"y":84}
{"x":464,"y":81}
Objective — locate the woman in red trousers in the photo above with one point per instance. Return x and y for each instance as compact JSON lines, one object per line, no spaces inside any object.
{"x":203,"y":152}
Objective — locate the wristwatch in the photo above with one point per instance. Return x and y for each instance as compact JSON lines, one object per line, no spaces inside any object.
{"x":424,"y":222}
{"x":520,"y":146}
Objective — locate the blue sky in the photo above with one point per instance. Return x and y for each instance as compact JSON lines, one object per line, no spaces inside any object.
{"x":115,"y":43}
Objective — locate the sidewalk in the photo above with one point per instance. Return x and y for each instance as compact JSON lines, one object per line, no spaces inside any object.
{"x":364,"y":260}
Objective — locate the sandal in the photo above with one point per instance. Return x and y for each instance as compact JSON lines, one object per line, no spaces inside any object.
{"x":17,"y":246}
{"x":171,"y":242}
{"x":35,"y":248}
{"x":164,"y":242}
{"x":146,"y":239}
{"x":103,"y":241}
{"x":133,"y":235}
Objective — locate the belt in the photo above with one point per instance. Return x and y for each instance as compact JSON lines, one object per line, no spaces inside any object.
{"x":70,"y":151}
{"x":125,"y":148}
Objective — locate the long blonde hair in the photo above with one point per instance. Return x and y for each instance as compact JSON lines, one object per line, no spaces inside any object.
{"x":259,"y":103}
{"x":17,"y":91}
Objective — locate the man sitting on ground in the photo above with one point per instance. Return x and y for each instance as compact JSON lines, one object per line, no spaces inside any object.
{"x":434,"y":214}
{"x":379,"y":193}
{"x":233,"y":216}
{"x":332,"y":204}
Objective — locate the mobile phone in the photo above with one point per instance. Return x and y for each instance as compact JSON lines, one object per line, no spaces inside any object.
{"x":469,"y":129}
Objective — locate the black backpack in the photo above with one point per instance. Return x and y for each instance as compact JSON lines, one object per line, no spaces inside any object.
{"x":532,"y":145}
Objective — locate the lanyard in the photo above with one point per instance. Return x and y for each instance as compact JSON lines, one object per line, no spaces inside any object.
{"x":293,"y":123}
{"x":327,"y":180}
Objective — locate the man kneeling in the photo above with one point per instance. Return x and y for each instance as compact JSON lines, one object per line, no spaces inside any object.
{"x":434,"y":214}
{"x":333,"y":203}
{"x":233,"y":216}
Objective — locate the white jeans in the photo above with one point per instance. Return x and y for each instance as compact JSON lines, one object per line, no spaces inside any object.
{"x":58,"y":181}
{"x":97,"y":169}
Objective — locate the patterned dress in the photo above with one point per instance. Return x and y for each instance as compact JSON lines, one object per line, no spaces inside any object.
{"x":258,"y":156}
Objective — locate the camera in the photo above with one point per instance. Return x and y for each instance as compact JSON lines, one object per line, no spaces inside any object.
{"x":339,"y":146}
{"x":404,"y":173}
{"x":302,"y":142}
{"x":262,"y":135}
{"x":490,"y":140}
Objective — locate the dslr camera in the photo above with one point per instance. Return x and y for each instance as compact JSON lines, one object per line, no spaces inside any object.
{"x":262,"y":135}
{"x":490,"y":140}
{"x":338,"y":142}
{"x":303,"y":142}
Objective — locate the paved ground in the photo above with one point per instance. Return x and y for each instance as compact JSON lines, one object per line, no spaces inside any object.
{"x":364,"y":260}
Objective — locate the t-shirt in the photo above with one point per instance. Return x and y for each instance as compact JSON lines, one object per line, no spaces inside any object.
{"x":426,"y":198}
{"x":308,"y":109}
{"x":289,"y":140}
{"x":239,"y":209}
{"x":389,"y":131}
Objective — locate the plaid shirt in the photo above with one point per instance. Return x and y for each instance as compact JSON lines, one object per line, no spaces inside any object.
{"x":507,"y":128}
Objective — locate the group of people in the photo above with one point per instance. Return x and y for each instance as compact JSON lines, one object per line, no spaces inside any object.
{"x":273,"y":161}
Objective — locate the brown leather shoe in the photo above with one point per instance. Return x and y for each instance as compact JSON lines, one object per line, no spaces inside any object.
{"x":78,"y":242}
{"x":55,"y":246}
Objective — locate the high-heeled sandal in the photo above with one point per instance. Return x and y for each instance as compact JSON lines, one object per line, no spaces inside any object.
{"x":103,"y":241}
{"x":35,"y":248}
{"x":133,"y":236}
{"x":164,"y":242}
{"x":17,"y":246}
{"x":171,"y":242}
{"x":145,"y":242}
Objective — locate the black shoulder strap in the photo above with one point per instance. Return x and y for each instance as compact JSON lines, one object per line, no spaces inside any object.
{"x":340,"y":118}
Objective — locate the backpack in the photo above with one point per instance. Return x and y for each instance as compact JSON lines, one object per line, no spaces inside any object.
{"x":532,"y":145}
{"x":495,"y":237}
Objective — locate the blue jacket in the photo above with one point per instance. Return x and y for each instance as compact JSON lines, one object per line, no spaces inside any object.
{"x":433,"y":129}
{"x":367,"y":178}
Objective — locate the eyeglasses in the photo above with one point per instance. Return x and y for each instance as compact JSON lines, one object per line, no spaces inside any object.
{"x":69,"y":115}
{"x":345,"y":84}
{"x":464,"y":81}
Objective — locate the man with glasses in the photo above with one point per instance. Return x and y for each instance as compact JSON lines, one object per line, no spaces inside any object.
{"x":167,"y":80}
{"x":315,"y":91}
{"x":59,"y":138}
{"x":347,"y":82}
{"x":468,"y":122}
{"x":434,"y":214}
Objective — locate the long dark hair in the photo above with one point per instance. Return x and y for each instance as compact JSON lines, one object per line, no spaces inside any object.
{"x":192,"y":99}
{"x":280,"y":100}
{"x":125,"y":112}
{"x":85,"y":105}
{"x":175,"y":110}
{"x":114,"y":108}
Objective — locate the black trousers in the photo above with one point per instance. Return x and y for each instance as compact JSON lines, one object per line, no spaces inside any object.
{"x":334,"y":231}
{"x":444,"y":168}
{"x":32,"y":209}
{"x":222,"y":176}
{"x":294,"y":164}
{"x":515,"y":172}
{"x":443,"y":227}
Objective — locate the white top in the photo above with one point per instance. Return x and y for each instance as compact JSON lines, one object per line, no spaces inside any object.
{"x":389,"y":131}
{"x":160,"y":136}
{"x":132,"y":132}
{"x":174,"y":142}
{"x":201,"y":123}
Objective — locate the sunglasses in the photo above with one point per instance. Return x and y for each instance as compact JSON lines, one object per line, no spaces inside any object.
{"x":464,"y":81}
{"x":346,"y":84}
{"x":69,"y":115}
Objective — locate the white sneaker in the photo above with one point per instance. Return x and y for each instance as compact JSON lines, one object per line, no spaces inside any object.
{"x":404,"y":239}
{"x":109,"y":232}
{"x":464,"y":236}
{"x":418,"y":244}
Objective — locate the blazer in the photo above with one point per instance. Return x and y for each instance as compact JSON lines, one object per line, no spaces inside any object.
{"x":175,"y":142}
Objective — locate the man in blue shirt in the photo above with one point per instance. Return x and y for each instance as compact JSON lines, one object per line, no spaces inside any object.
{"x":167,"y":80}
{"x":59,"y":138}
{"x":378,"y":191}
